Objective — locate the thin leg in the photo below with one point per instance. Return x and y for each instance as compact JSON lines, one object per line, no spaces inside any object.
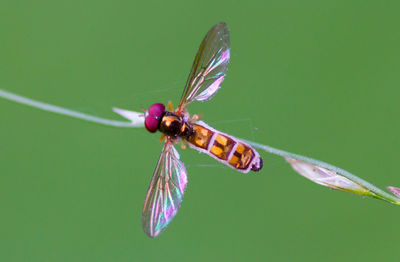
{"x":183,"y":144}
{"x":195,"y":118}
{"x":162,"y":137}
{"x":170,"y":106}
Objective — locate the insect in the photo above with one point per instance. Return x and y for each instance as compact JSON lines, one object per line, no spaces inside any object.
{"x":169,"y":180}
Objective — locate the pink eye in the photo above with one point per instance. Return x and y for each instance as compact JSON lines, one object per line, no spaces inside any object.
{"x":156,"y":110}
{"x":153,"y":117}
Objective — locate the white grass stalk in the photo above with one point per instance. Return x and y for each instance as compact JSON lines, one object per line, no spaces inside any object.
{"x":64,"y":111}
{"x":315,"y":170}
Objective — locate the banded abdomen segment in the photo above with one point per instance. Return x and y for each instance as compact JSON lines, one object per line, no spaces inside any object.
{"x":226,"y":149}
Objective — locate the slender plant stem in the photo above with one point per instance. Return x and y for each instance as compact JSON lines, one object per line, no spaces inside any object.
{"x":375,"y":192}
{"x":63,"y":111}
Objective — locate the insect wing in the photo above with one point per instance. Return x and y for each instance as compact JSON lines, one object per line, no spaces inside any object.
{"x":165,"y":192}
{"x":209,"y":66}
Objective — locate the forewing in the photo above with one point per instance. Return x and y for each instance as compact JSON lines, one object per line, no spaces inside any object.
{"x":165,"y":192}
{"x":209,"y":66}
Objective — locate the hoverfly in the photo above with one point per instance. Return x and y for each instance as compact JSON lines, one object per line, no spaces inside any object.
{"x":169,"y":180}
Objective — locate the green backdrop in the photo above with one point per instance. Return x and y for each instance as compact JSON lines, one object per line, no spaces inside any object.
{"x":318,"y":78}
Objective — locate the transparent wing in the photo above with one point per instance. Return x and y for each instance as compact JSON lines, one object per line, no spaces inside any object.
{"x":165,"y":192}
{"x":209,"y":66}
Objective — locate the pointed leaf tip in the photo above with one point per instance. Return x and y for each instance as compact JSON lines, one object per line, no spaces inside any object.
{"x":134,"y":117}
{"x":394,"y":190}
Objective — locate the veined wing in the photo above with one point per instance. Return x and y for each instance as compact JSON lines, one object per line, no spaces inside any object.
{"x":209,"y":66}
{"x":165,"y":192}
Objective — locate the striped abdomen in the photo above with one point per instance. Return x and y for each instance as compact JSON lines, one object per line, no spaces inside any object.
{"x":226,"y":149}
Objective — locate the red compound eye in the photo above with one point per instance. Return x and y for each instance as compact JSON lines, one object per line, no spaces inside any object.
{"x":153,"y":117}
{"x":156,"y":110}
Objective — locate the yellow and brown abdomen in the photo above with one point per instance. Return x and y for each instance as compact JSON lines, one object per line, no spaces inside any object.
{"x":226,"y":149}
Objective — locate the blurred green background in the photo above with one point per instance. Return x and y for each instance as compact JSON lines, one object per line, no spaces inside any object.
{"x":318,"y":78}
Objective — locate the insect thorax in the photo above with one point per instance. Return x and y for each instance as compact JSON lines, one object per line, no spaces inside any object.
{"x":174,"y":125}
